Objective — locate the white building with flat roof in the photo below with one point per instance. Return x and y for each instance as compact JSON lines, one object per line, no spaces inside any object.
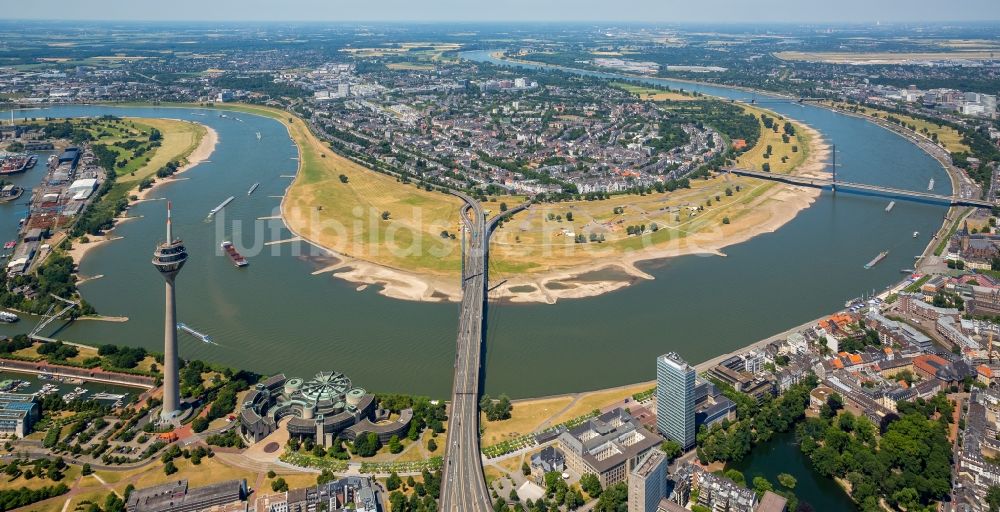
{"x":81,"y":189}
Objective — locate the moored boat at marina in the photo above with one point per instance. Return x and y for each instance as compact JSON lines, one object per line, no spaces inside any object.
{"x":10,"y":193}
{"x":13,"y":163}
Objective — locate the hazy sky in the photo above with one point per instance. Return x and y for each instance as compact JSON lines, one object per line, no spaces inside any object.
{"x":508,"y":10}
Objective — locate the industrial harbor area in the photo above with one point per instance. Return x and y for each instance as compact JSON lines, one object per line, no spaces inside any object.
{"x":429,"y":263}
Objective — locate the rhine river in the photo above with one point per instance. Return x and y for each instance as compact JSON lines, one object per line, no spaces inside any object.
{"x":274,"y":316}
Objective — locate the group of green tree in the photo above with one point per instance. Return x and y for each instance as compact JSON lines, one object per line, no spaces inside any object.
{"x":864,"y":338}
{"x":43,"y":468}
{"x":426,"y":413}
{"x":53,"y":277}
{"x":909,"y":466}
{"x":261,"y":82}
{"x":228,"y":439}
{"x":15,"y":498}
{"x":423,"y":497}
{"x":335,"y":450}
{"x":367,"y":444}
{"x":73,"y":131}
{"x":670,"y":135}
{"x":11,"y":345}
{"x":976,"y":137}
{"x":557,"y":494}
{"x":729,"y":119}
{"x":193,"y":454}
{"x":946,"y":299}
{"x":730,"y":441}
{"x":112,"y":503}
{"x":761,"y":485}
{"x":219,"y":392}
{"x":121,"y":357}
{"x":110,"y":199}
{"x":100,"y":215}
{"x":57,"y":351}
{"x":496,"y":410}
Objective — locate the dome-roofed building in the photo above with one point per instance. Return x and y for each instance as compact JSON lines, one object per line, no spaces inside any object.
{"x":323,"y":408}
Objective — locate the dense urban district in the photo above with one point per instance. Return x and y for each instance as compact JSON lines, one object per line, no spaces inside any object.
{"x":895,"y":398}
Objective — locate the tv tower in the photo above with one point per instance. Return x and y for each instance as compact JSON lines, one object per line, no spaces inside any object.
{"x":168,"y":258}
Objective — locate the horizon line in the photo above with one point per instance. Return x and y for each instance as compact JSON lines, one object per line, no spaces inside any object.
{"x":876,"y":22}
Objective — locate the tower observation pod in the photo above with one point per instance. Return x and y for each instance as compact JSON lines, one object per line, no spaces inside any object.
{"x":168,"y":258}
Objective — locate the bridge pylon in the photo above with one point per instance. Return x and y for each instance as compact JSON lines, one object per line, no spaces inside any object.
{"x":834,"y":185}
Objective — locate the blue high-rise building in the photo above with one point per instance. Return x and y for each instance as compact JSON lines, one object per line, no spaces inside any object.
{"x":675,"y":399}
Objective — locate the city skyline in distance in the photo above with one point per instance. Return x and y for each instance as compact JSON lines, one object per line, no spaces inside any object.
{"x":646,"y":11}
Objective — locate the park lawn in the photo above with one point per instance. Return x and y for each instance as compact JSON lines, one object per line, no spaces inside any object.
{"x":88,"y":482}
{"x":651,"y":94}
{"x":526,"y":417}
{"x":80,"y":501}
{"x":513,"y":464}
{"x":754,"y":157}
{"x":296,"y":480}
{"x":180,"y":138}
{"x":71,"y":474}
{"x":29,"y":352}
{"x":53,"y":505}
{"x":113,"y":477}
{"x":409,"y":66}
{"x":346,"y":217}
{"x":492,"y":204}
{"x":419,"y":450}
{"x":492,"y":474}
{"x":210,"y":471}
{"x":146,"y":364}
{"x":598,"y":399}
{"x":531,"y":242}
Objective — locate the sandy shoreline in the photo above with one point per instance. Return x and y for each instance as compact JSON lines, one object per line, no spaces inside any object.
{"x":200,"y":154}
{"x":778,"y":205}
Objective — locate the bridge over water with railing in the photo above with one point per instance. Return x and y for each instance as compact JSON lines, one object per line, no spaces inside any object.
{"x":835,"y":184}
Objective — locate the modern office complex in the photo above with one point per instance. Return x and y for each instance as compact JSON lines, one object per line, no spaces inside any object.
{"x":168,"y":258}
{"x":675,"y":397}
{"x":647,"y":483}
{"x":610,"y":446}
{"x":323,"y":408}
{"x":18,"y":412}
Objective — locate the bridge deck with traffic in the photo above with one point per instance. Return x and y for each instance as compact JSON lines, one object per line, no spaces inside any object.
{"x":847,"y":185}
{"x":463,"y":486}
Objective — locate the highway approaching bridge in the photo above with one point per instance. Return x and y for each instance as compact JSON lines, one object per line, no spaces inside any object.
{"x":463,"y":486}
{"x":836,"y":184}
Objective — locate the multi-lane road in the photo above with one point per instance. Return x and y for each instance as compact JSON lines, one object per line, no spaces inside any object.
{"x":464,"y":486}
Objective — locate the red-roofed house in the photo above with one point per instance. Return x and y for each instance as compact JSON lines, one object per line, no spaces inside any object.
{"x":984,"y":374}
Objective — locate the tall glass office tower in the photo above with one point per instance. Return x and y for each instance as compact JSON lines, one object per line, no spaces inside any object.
{"x":675,"y":399}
